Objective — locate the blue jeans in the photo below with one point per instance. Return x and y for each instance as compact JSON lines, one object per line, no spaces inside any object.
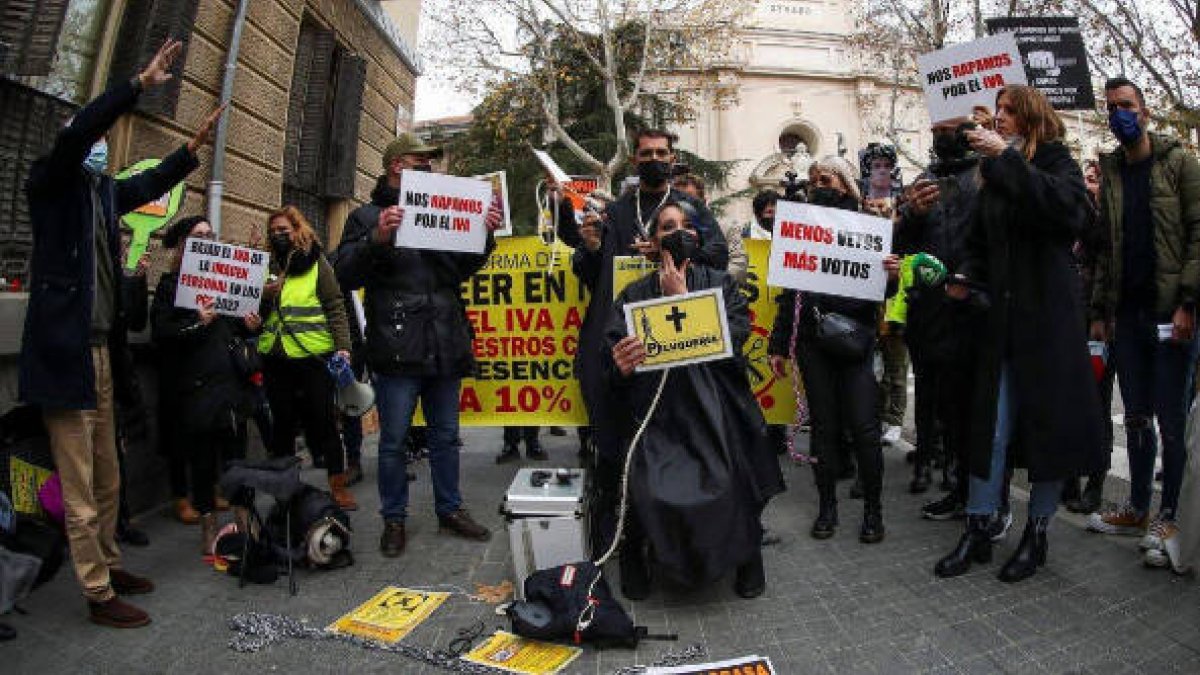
{"x":985,"y":497}
{"x":396,"y":398}
{"x":1155,"y":378}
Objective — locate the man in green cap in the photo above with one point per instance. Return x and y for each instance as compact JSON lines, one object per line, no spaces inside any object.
{"x":418,"y":341}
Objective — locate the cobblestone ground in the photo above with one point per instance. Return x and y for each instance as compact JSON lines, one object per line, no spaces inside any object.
{"x":831,"y":607}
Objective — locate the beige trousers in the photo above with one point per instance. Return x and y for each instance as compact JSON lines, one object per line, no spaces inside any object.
{"x":84,"y":445}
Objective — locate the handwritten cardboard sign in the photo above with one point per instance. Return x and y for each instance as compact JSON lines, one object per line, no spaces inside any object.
{"x":231,"y":276}
{"x":829,"y":251}
{"x":443,"y":213}
{"x":958,"y":78}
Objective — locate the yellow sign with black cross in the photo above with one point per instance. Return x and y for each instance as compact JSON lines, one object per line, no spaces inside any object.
{"x":680,"y":330}
{"x":389,"y":616}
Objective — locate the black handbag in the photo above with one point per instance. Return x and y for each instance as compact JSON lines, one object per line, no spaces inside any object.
{"x":843,"y":337}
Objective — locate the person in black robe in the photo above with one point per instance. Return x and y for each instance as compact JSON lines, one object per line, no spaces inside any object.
{"x":703,"y":470}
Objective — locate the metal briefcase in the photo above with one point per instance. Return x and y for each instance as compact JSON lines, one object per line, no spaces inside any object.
{"x":546,"y":523}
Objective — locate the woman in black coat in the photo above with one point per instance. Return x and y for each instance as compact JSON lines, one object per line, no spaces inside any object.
{"x":200,"y":380}
{"x":1035,"y":392}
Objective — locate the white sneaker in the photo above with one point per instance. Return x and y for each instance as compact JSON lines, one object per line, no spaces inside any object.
{"x":1166,"y":553}
{"x":1123,"y":521}
{"x":1153,"y":541}
{"x":891,"y":435}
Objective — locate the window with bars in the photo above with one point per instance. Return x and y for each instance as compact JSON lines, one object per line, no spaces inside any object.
{"x":321,"y":149}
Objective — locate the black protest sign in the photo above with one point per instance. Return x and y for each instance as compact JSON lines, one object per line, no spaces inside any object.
{"x":1055,"y":58}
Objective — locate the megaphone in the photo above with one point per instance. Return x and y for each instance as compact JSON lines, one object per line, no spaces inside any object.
{"x":355,"y":399}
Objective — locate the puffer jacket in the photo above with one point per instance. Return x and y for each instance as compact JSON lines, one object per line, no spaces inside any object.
{"x":416,"y":321}
{"x":1175,"y":213}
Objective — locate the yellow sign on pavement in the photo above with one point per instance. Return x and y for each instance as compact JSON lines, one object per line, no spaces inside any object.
{"x":516,"y":654}
{"x":389,"y":616}
{"x":680,"y":330}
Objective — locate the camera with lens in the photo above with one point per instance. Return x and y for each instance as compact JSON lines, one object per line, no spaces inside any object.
{"x":955,"y":154}
{"x":795,"y":189}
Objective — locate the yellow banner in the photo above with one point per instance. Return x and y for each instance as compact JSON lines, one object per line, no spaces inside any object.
{"x":389,"y":616}
{"x":679,"y":330}
{"x":628,"y":269}
{"x":774,"y":395}
{"x":521,"y":655}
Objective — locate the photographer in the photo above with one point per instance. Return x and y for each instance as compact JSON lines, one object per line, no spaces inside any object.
{"x":1033,"y":358}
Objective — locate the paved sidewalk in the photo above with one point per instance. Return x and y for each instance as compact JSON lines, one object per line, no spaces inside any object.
{"x":831,"y":607}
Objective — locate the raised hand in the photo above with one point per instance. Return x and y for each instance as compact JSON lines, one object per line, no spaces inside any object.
{"x":158,"y":71}
{"x":204,"y":132}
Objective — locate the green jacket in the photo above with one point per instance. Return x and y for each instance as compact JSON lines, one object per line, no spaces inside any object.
{"x":1175,"y":212}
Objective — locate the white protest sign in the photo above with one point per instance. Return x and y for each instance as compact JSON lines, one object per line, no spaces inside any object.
{"x":443,"y":213}
{"x":829,"y":251}
{"x":229,"y":275}
{"x":958,"y":78}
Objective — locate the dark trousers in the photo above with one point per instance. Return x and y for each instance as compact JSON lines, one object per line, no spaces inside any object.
{"x":843,"y":402}
{"x":943,"y":413}
{"x":301,"y":396}
{"x":513,"y":436}
{"x":352,"y":438}
{"x":207,"y":455}
{"x":893,"y":388}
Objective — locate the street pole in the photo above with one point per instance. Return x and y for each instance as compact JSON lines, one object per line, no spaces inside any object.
{"x":216,"y":184}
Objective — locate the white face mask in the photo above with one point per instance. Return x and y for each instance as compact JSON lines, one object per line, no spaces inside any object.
{"x":97,"y":159}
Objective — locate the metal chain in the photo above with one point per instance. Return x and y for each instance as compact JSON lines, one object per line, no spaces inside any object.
{"x":668,"y":660}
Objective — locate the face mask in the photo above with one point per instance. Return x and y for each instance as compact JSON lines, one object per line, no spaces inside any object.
{"x":427,"y":168}
{"x":766,"y":224}
{"x":946,"y":146}
{"x":825,"y":196}
{"x":97,"y":159}
{"x":654,"y":173}
{"x":681,"y":244}
{"x":1125,"y":126}
{"x":281,"y":243}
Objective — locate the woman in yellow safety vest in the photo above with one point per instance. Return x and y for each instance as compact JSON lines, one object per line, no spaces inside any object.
{"x":304,"y":324}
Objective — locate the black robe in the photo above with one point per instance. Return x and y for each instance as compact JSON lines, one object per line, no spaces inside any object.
{"x":703,"y":470}
{"x":1029,"y":215}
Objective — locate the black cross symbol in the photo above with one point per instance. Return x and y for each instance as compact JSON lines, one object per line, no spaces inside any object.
{"x":676,"y":317}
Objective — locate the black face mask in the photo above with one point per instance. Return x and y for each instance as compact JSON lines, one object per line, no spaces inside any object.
{"x":947,"y":147}
{"x":766,"y":224}
{"x":825,"y":196}
{"x":427,"y":168}
{"x":681,"y":244}
{"x":281,"y":244}
{"x":654,"y":173}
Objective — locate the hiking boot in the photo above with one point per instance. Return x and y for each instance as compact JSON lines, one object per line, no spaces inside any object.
{"x":343,"y":497}
{"x":117,"y":613}
{"x":208,"y":533}
{"x":751,"y":578}
{"x":949,"y":507}
{"x":125,"y":583}
{"x":510,"y":453}
{"x":535,"y":452}
{"x":185,"y":512}
{"x":392,"y":541}
{"x":354,"y":474}
{"x":872,"y":530}
{"x":999,"y":526}
{"x":1122,"y":521}
{"x":461,"y":524}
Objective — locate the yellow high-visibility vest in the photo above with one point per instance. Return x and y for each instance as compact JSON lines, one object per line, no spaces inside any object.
{"x":307,"y":331}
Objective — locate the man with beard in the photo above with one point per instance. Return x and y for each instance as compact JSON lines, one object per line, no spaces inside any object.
{"x":702,"y":471}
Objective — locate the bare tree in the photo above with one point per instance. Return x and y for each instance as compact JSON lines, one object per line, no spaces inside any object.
{"x":484,"y":43}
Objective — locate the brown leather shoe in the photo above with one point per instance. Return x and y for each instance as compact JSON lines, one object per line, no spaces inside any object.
{"x":337,"y":487}
{"x":125,"y":583}
{"x":461,"y":523}
{"x":117,"y":613}
{"x":185,"y":512}
{"x":391,"y":543}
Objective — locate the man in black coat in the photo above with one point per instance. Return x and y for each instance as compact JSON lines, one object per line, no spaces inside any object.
{"x":71,"y":358}
{"x":419,"y":343}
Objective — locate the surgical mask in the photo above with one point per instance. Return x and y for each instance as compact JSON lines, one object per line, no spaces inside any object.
{"x":681,"y":244}
{"x":825,"y":196}
{"x":1125,"y":125}
{"x":426,"y":167}
{"x":654,"y":173}
{"x":97,"y":159}
{"x":281,"y":243}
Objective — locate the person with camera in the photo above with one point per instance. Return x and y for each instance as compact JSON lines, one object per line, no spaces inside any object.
{"x":418,"y":342}
{"x":1146,"y":287}
{"x":941,"y":334}
{"x":1031,"y":357}
{"x":702,"y":472}
{"x":840,"y":382}
{"x":209,"y":397}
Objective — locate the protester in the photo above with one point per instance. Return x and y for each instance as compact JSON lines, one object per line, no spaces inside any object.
{"x":70,"y":361}
{"x":739,"y":261}
{"x":304,"y":325}
{"x":702,"y":472}
{"x":211,"y":398}
{"x":511,"y":451}
{"x":1031,"y":209}
{"x":622,"y":230}
{"x":419,"y":342}
{"x":841,"y":388}
{"x":130,"y":415}
{"x":1146,"y":287}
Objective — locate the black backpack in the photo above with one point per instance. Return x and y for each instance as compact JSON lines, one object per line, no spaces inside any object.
{"x":569,"y":604}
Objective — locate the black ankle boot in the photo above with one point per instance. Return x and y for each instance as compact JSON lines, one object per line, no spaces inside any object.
{"x":635,"y":574}
{"x":827,"y":519}
{"x":1030,"y":553}
{"x":922,"y":477}
{"x":751,"y":578}
{"x":872,"y":526}
{"x":974,"y":546}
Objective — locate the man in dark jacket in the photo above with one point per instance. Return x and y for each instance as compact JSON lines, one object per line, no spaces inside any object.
{"x":419,"y":343}
{"x":70,"y":363}
{"x":1147,"y":284}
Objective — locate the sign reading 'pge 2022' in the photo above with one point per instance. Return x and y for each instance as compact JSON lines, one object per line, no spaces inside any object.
{"x":443,"y":213}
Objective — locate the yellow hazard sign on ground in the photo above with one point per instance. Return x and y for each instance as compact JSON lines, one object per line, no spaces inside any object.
{"x":389,"y":616}
{"x":516,"y":654}
{"x":680,"y":330}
